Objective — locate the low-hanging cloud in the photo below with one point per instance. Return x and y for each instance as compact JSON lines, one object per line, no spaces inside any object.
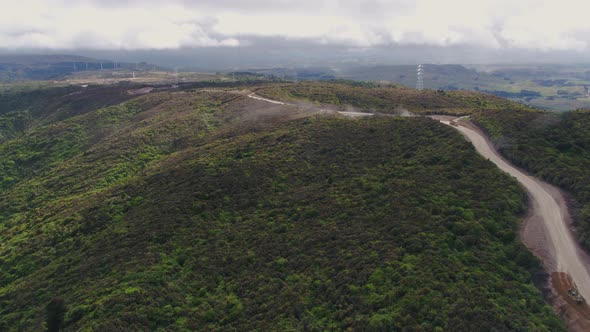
{"x":150,"y":24}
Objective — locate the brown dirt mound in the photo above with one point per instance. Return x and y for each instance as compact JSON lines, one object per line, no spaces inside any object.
{"x":576,"y":315}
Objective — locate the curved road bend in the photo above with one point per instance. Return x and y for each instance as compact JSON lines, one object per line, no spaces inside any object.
{"x":566,"y":252}
{"x":545,"y":206}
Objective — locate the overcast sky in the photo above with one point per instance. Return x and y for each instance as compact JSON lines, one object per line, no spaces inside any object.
{"x":526,"y":25}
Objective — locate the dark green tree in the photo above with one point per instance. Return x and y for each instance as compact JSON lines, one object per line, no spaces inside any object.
{"x":56,"y":310}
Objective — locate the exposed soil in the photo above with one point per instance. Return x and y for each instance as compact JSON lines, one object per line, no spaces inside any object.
{"x":577,"y":315}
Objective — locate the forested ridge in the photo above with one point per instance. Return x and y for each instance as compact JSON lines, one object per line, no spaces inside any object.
{"x":170,"y":211}
{"x":553,"y":146}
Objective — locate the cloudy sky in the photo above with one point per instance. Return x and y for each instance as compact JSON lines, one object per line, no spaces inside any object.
{"x":110,"y":24}
{"x":531,"y":25}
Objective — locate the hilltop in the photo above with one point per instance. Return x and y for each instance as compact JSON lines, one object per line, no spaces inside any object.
{"x":373,"y":97}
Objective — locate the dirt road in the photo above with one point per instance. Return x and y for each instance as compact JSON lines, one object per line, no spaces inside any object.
{"x":254,"y":96}
{"x":563,"y":251}
{"x":345,"y":113}
{"x":547,"y":232}
{"x":568,"y":257}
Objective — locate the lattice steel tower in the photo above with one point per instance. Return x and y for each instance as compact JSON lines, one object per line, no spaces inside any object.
{"x":419,"y":78}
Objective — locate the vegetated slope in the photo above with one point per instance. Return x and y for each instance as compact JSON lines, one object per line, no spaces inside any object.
{"x":22,"y":110}
{"x":388,"y":99}
{"x":167,"y":211}
{"x":555,"y":147}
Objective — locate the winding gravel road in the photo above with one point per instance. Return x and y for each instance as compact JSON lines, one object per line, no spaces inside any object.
{"x":565,"y":250}
{"x":545,"y":206}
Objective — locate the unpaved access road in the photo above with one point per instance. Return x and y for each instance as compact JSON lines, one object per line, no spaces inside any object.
{"x":567,"y":255}
{"x":345,"y":113}
{"x":254,"y":96}
{"x":547,"y":207}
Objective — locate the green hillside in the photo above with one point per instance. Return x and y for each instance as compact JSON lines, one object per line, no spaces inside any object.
{"x":203,"y":209}
{"x":25,"y":108}
{"x":553,"y":146}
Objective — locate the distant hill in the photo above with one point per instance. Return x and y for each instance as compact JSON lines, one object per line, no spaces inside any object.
{"x":550,"y":87}
{"x":435,"y":76}
{"x":32,"y":59}
{"x":17,"y":68}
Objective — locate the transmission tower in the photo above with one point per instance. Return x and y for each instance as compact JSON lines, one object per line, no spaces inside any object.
{"x":239,"y":51}
{"x":419,"y":78}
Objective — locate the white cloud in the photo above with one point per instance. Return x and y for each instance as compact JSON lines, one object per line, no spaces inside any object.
{"x":151,"y":24}
{"x":92,"y":26}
